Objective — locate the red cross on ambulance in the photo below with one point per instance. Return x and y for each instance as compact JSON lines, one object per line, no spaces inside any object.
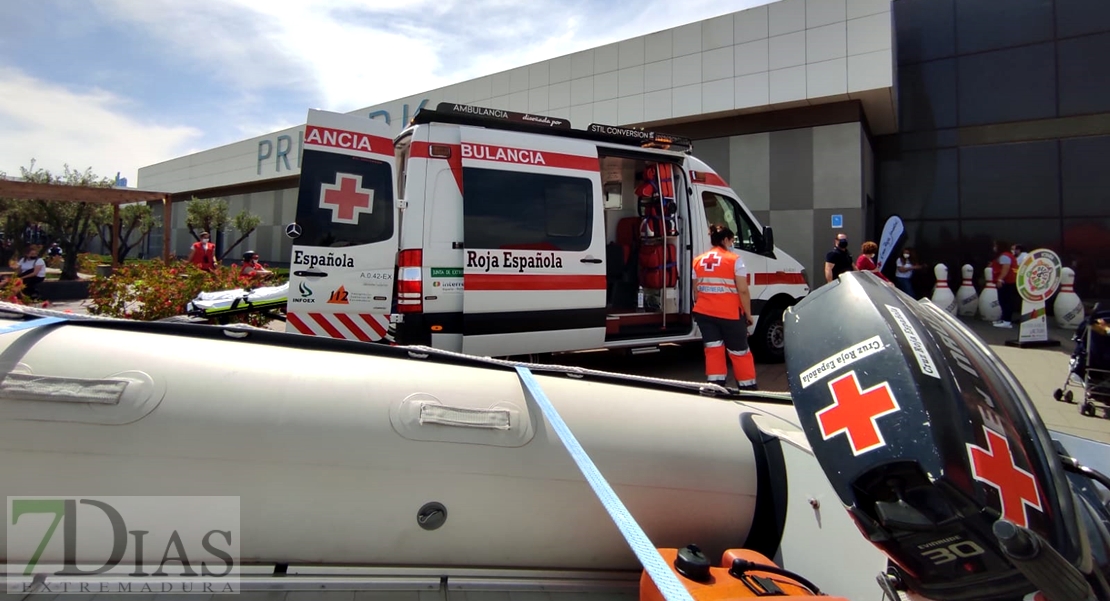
{"x":346,"y":198}
{"x":995,"y":467}
{"x":855,"y":412}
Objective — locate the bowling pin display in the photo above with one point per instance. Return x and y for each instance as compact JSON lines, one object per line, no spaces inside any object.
{"x":967,"y":299}
{"x":988,"y":300}
{"x":942,"y":294}
{"x":1067,"y":308}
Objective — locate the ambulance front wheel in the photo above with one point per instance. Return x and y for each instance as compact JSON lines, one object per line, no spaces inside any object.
{"x":768,"y":341}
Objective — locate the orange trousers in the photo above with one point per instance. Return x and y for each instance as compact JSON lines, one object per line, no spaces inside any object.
{"x":726,"y":338}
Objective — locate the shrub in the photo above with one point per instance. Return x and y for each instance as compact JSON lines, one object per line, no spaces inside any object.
{"x":11,"y":291}
{"x":87,"y":262}
{"x":152,"y":290}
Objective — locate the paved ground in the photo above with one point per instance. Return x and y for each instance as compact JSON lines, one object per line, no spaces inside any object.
{"x":1040,"y":371}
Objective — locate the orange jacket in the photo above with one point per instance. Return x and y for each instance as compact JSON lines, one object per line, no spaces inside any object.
{"x":715,"y":272}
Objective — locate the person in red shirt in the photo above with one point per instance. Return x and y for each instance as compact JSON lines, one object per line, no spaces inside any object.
{"x":1004,"y":269}
{"x":252,"y":268}
{"x":866,"y":260}
{"x":203,"y":254}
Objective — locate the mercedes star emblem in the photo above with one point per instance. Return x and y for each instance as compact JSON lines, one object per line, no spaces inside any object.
{"x":293,"y":230}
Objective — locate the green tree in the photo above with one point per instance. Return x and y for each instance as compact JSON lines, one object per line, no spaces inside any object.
{"x":211,"y":215}
{"x":72,"y":224}
{"x":133,"y":218}
{"x":14,"y":215}
{"x":245,"y":223}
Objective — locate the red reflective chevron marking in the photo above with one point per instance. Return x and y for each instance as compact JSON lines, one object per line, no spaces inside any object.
{"x":354,"y":329}
{"x":330,"y":329}
{"x":995,"y":467}
{"x":301,"y":326}
{"x":855,"y":413}
{"x":344,"y":326}
{"x":381,"y":330}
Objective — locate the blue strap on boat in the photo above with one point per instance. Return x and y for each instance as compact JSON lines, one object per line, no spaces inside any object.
{"x":30,"y":324}
{"x":645,"y":551}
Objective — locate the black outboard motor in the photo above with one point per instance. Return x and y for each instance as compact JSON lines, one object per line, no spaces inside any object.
{"x":936,"y":451}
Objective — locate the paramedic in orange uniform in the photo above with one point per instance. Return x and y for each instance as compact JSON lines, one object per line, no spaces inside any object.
{"x":723,"y":310}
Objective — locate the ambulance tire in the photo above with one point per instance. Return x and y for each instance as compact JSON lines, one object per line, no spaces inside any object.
{"x":766,"y":340}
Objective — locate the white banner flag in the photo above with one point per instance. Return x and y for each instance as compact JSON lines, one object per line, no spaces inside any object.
{"x":892,"y":235}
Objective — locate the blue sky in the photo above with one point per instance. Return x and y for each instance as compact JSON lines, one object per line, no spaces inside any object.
{"x":119,"y":84}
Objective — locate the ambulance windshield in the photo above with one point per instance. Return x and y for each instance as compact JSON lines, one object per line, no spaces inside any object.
{"x":346,"y":201}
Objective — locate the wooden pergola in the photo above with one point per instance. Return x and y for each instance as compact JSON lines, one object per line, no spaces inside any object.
{"x":21,"y":190}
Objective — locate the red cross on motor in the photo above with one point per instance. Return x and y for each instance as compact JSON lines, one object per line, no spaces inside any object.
{"x":855,"y":412}
{"x":995,"y":467}
{"x":711,"y":261}
{"x":346,"y":198}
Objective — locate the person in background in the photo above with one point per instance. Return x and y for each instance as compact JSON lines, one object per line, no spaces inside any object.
{"x":866,"y":260}
{"x":253,"y":269}
{"x":723,"y":310}
{"x":203,"y":254}
{"x":1004,"y":269}
{"x":32,"y":270}
{"x":903,"y":271}
{"x":838,"y":260}
{"x":1019,"y":255}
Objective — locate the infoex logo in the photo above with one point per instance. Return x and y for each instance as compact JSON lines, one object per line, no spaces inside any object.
{"x":123,"y":544}
{"x":306,"y":294}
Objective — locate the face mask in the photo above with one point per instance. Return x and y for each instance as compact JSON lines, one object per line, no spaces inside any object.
{"x":842,"y":244}
{"x":905,"y":255}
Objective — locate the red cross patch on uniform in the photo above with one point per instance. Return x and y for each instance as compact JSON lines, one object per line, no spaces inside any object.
{"x":710,"y":261}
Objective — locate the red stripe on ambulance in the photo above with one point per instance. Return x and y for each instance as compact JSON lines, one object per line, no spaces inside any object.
{"x":533,"y":282}
{"x":778,"y":277}
{"x":524,"y":156}
{"x":344,"y":326}
{"x":327,"y":137}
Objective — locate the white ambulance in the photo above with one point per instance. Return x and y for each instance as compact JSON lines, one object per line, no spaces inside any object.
{"x":501,"y":234}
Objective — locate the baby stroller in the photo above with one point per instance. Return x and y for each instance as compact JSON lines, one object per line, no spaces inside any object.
{"x":1090,"y":365}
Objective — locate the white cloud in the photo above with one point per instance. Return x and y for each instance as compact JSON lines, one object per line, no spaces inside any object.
{"x":350,"y":54}
{"x":55,"y":125}
{"x":277,"y":58}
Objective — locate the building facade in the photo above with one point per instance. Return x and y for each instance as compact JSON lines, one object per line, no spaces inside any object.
{"x":1004,"y":132}
{"x":968,"y":119}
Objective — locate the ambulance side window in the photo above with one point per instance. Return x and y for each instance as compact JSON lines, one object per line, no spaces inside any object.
{"x":506,"y":210}
{"x":721,"y":209}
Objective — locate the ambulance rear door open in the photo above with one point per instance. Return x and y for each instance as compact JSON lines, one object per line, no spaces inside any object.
{"x":534,"y":244}
{"x":345,"y":234}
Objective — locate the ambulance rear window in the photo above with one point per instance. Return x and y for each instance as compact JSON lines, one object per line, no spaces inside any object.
{"x":346,"y":201}
{"x":526,"y":211}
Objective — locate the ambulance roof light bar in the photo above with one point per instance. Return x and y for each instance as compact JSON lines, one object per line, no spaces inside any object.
{"x":462,"y":114}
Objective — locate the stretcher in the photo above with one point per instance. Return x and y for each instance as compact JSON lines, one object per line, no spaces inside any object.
{"x":225,"y":303}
